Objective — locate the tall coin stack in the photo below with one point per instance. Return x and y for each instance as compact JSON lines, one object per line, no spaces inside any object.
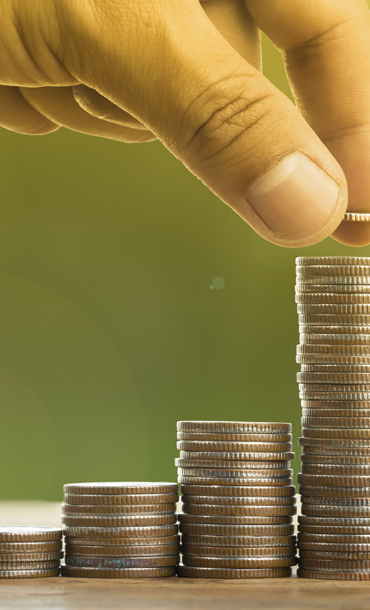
{"x":238,"y":499}
{"x":120,"y":530}
{"x":333,"y":296}
{"x":30,"y":552}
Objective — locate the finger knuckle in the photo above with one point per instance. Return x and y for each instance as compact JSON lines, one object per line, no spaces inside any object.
{"x":225,"y":113}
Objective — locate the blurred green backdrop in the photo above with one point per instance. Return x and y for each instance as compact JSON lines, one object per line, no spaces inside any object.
{"x":112,"y":323}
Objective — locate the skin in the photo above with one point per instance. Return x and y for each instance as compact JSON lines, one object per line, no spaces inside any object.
{"x":189,"y":73}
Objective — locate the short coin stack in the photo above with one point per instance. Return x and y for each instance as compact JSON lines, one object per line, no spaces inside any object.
{"x":120,"y":530}
{"x":30,"y":552}
{"x":333,"y":296}
{"x":238,"y":499}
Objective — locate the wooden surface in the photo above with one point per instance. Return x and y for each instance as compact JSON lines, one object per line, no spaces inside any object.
{"x":170,"y":593}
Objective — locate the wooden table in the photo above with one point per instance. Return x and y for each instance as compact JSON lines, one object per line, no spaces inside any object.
{"x":168,"y":593}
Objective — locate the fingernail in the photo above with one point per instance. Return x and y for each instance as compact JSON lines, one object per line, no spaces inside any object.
{"x":295,"y":196}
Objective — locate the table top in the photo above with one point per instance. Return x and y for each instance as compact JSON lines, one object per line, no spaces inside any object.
{"x":168,"y":593}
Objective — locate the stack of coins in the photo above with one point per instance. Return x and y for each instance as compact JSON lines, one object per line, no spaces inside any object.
{"x":120,"y":530}
{"x":238,"y":500}
{"x":30,"y":552}
{"x":333,"y":296}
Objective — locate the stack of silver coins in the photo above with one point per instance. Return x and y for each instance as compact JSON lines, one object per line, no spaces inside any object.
{"x":333,"y":296}
{"x":120,"y":530}
{"x":238,"y":500}
{"x":30,"y":552}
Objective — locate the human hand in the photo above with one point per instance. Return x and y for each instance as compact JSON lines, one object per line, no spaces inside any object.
{"x":189,"y":74}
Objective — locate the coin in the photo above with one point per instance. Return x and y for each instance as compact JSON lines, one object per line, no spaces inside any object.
{"x":337,"y":413}
{"x":233,"y":542}
{"x":186,"y":463}
{"x":266,"y":473}
{"x":118,"y":509}
{"x":12,"y":533}
{"x":333,"y":404}
{"x":328,"y":280}
{"x":119,"y":532}
{"x":239,"y":562}
{"x":365,"y":396}
{"x":192,"y":572}
{"x":121,"y":562}
{"x":219,"y":446}
{"x":336,"y":469}
{"x":342,"y":565}
{"x":336,"y":502}
{"x":328,"y":298}
{"x":334,"y":338}
{"x":30,"y":565}
{"x":236,"y":551}
{"x":257,"y":511}
{"x":333,"y":288}
{"x":234,"y":427}
{"x":335,"y":521}
{"x":224,"y":437}
{"x":72,"y":571}
{"x":360,"y":351}
{"x":332,"y":529}
{"x":335,"y":422}
{"x":356,"y":217}
{"x":260,"y":481}
{"x":37,"y":573}
{"x":335,"y":368}
{"x":357,"y":271}
{"x":243,"y":491}
{"x":304,"y":329}
{"x":336,"y":480}
{"x":333,"y":555}
{"x":140,"y":543}
{"x":122,"y":551}
{"x":349,"y":309}
{"x":245,"y":502}
{"x":322,"y":547}
{"x":327,"y":319}
{"x":31,"y":547}
{"x":126,"y":500}
{"x":334,"y":538}
{"x":117,"y":521}
{"x":334,"y":388}
{"x":207,"y":529}
{"x":333,"y":378}
{"x":332,"y":260}
{"x":320,"y":510}
{"x":319,"y":574}
{"x":27,"y":557}
{"x":233,"y":520}
{"x":131,"y":487}
{"x":335,"y":492}
{"x":358,"y":434}
{"x":334,"y":449}
{"x":323,"y":359}
{"x":356,"y":443}
{"x":346,"y":460}
{"x":235,"y":456}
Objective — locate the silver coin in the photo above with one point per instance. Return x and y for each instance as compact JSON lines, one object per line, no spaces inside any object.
{"x":359,"y":351}
{"x":351,"y":396}
{"x":339,"y":469}
{"x":335,"y":368}
{"x":320,"y":510}
{"x":332,"y":260}
{"x":247,"y":474}
{"x":231,"y":446}
{"x":356,"y":217}
{"x":334,"y":338}
{"x":349,"y":309}
{"x":333,"y":319}
{"x":233,"y":427}
{"x":336,"y":502}
{"x":238,"y":456}
{"x":333,"y":378}
{"x":332,"y":450}
{"x":260,"y":481}
{"x":335,"y":422}
{"x":333,"y":330}
{"x":330,"y":298}
{"x":334,"y":492}
{"x":242,"y":501}
{"x":332,"y":270}
{"x":334,"y":387}
{"x":335,"y":413}
{"x":236,"y":542}
{"x":337,"y":433}
{"x":323,"y":359}
{"x":342,"y":443}
{"x":335,"y":404}
{"x":227,"y":464}
{"x":328,"y":280}
{"x":332,"y":289}
{"x":336,"y":459}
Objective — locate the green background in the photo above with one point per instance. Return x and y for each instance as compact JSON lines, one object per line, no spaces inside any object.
{"x":112,"y":326}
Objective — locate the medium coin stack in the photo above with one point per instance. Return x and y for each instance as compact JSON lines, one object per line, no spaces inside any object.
{"x":333,"y":297}
{"x":120,"y":530}
{"x":238,"y":500}
{"x":30,"y":552}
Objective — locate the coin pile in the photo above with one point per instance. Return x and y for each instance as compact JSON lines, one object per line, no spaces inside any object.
{"x":333,"y":297}
{"x":238,"y":500}
{"x":120,"y":530}
{"x":30,"y":552}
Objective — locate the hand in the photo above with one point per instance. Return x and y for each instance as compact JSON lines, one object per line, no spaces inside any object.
{"x":190,"y":74}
